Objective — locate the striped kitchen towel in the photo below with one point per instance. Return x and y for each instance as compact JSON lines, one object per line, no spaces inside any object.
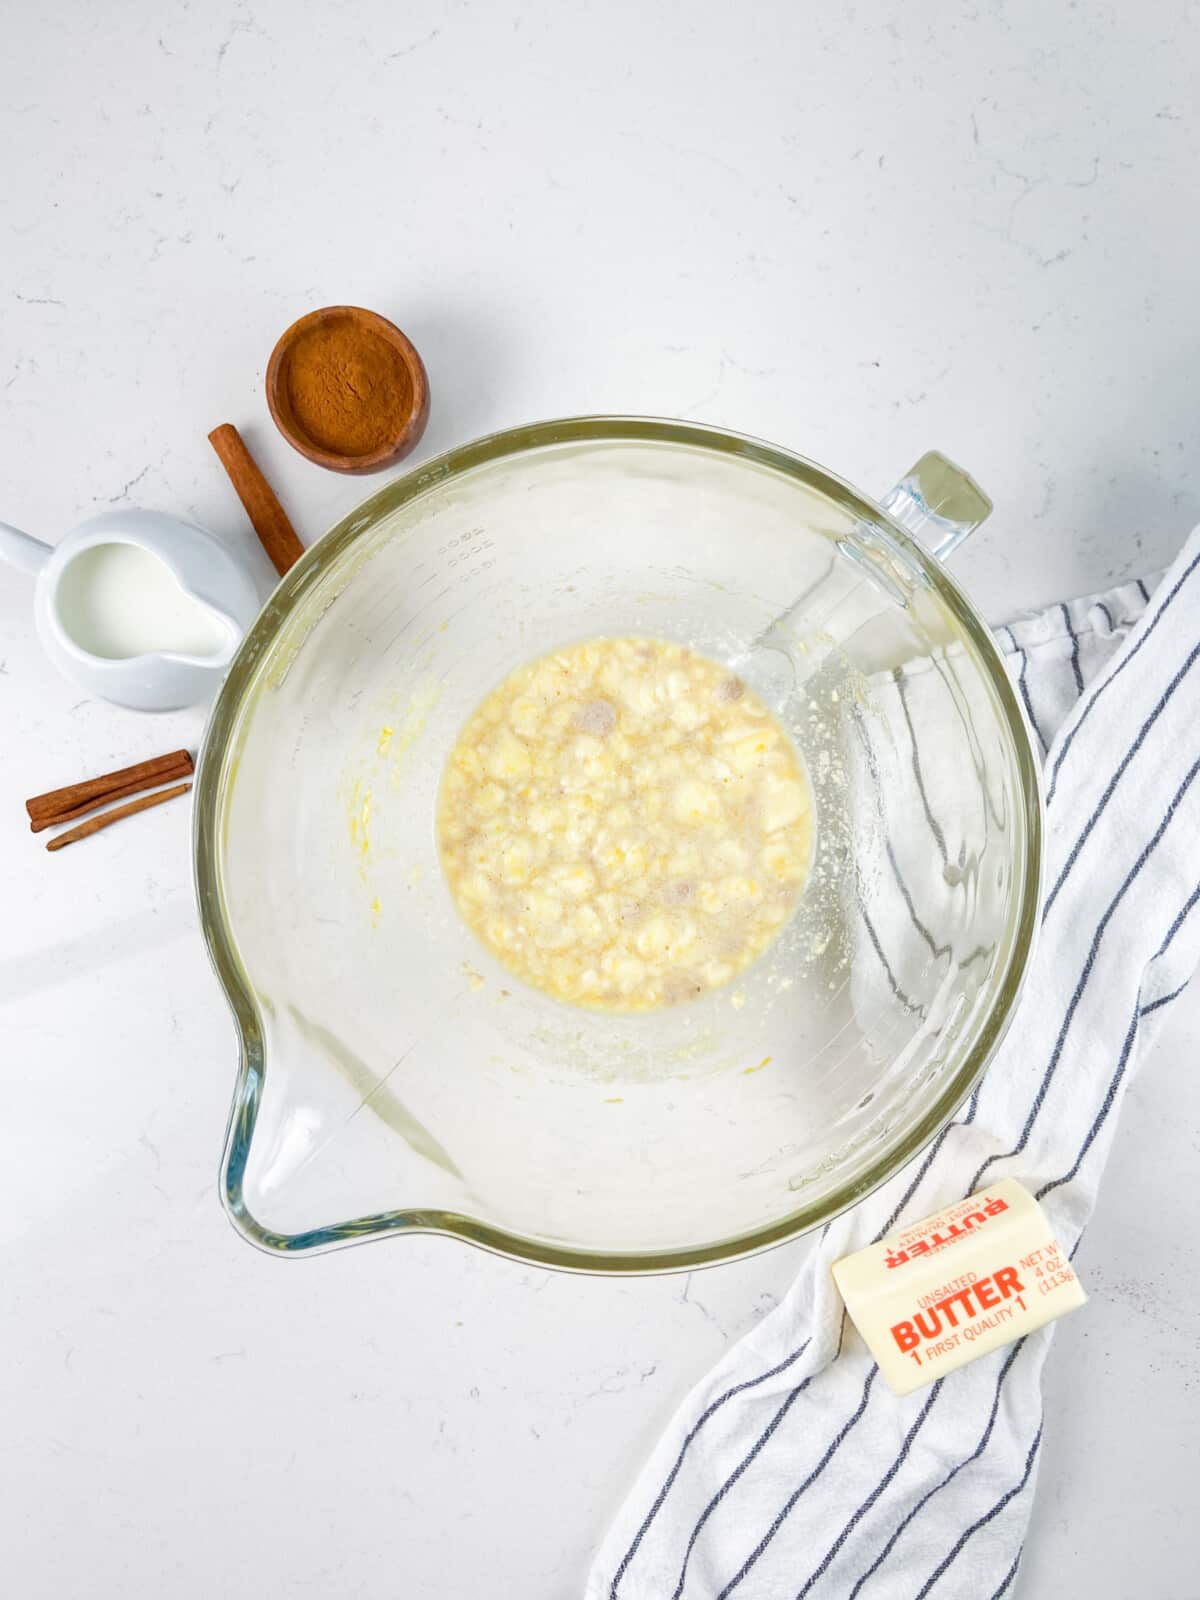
{"x":791,"y":1470}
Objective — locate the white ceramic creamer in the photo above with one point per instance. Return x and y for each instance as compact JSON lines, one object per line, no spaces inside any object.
{"x":138,"y":607}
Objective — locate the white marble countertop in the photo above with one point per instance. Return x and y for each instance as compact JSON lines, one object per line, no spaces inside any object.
{"x":861,"y":231}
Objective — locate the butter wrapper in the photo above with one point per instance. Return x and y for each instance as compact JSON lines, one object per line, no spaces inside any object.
{"x":946,"y":1290}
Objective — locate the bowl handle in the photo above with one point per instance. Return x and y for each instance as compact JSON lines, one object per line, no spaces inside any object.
{"x":938,"y":502}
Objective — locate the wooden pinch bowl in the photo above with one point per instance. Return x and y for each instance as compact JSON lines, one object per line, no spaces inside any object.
{"x":392,"y":348}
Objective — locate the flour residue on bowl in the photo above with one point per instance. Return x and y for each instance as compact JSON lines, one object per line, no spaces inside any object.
{"x":624,"y":824}
{"x":361,"y":801}
{"x":379,"y":767}
{"x":396,"y":738}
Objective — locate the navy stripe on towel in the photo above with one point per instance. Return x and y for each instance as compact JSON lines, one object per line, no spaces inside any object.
{"x":1106,"y":684}
{"x":1039,"y":1099}
{"x":738,"y":1388}
{"x":980,"y":1447}
{"x":745,"y":1462}
{"x":1066,"y":616}
{"x":1160,"y":707}
{"x":1140,"y":1011}
{"x":935,"y":826}
{"x":1165,"y":1001}
{"x":862,"y":1510}
{"x":1008,"y":1577}
{"x":816,"y":1472}
{"x":986,"y":1518}
{"x":1024,"y":688}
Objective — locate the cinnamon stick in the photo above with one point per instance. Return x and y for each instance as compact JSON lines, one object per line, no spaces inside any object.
{"x":106,"y":818}
{"x":269,"y":519}
{"x":76,"y":799}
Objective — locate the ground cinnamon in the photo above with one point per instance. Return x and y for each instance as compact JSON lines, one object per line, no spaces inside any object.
{"x":347,"y":387}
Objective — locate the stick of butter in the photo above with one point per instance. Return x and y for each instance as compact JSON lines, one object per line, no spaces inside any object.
{"x":943,"y":1291}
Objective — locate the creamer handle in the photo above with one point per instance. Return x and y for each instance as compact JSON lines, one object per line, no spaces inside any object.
{"x":22,"y":550}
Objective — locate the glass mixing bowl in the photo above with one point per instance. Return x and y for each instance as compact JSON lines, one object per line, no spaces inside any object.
{"x":394,"y":1077}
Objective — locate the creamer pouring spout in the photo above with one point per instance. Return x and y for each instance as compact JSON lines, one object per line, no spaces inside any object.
{"x":138,"y":607}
